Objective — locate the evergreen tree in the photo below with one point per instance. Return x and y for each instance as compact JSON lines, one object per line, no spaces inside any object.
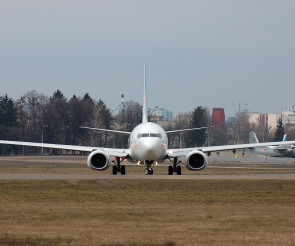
{"x":8,"y":123}
{"x":80,"y":111}
{"x":280,"y":131}
{"x":198,"y":119}
{"x":57,"y":94}
{"x":57,"y":119}
{"x":87,"y":97}
{"x":7,"y":111}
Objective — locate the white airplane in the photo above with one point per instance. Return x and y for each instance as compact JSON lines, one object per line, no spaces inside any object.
{"x":148,"y":145}
{"x":272,"y":151}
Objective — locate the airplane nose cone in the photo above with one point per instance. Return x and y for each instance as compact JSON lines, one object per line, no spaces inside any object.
{"x":150,"y":147}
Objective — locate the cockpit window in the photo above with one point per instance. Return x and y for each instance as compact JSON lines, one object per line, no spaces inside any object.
{"x":152,"y":135}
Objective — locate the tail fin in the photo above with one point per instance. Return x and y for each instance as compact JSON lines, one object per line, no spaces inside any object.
{"x":253,"y":138}
{"x":285,"y":137}
{"x":144,"y":108}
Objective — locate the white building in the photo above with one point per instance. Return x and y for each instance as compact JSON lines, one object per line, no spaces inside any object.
{"x":269,"y":120}
{"x":160,"y":114}
{"x":288,"y":117}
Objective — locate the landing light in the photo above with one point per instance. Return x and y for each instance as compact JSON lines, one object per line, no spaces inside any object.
{"x":156,"y":163}
{"x":138,"y":163}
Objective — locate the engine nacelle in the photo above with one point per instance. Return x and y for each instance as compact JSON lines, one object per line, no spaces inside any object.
{"x":98,"y":160}
{"x":196,"y":160}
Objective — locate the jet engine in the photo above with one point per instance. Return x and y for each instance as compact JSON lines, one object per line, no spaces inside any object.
{"x":196,"y":160}
{"x":98,"y":160}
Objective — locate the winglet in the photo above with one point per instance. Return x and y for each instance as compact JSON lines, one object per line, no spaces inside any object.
{"x":144,"y":106}
{"x":285,"y":137}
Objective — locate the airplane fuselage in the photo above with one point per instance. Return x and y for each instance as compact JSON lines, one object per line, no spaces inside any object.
{"x":148,"y":142}
{"x":273,"y":152}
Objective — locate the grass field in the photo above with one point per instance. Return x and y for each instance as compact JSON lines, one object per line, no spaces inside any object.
{"x":144,"y":212}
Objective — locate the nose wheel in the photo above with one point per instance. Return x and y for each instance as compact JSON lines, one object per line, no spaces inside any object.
{"x":148,"y":171}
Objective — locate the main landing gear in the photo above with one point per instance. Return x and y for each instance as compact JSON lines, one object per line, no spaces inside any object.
{"x":118,"y":168}
{"x":174,"y":168}
{"x":149,"y":170}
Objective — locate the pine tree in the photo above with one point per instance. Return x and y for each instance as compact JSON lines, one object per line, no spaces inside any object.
{"x":57,"y":94}
{"x":7,"y":112}
{"x":198,"y":119}
{"x":280,"y":131}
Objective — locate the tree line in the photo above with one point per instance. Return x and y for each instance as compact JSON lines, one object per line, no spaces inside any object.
{"x":37,"y":118}
{"x":55,"y":119}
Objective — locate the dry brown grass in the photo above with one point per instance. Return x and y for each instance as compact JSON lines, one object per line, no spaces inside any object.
{"x":144,"y":212}
{"x":132,"y":212}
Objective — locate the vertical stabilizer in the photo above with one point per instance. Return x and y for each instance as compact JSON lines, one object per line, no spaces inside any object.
{"x":144,"y":106}
{"x":253,"y":138}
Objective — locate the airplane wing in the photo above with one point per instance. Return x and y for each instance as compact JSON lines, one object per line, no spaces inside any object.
{"x":184,"y":130}
{"x":109,"y":151}
{"x":105,"y":130}
{"x":183,"y":152}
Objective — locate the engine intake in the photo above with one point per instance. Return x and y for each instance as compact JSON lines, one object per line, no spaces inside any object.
{"x":98,"y":160}
{"x":196,"y":161}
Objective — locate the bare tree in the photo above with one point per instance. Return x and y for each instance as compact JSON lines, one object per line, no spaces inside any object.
{"x":243,"y":127}
{"x":177,"y":140}
{"x":129,"y":117}
{"x":262,"y":129}
{"x":100,"y":118}
{"x":31,"y":112}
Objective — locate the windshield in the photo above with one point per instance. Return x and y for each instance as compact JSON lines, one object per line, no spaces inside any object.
{"x":151,"y":135}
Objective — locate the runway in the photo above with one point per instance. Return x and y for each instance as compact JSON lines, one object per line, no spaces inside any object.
{"x":54,"y":176}
{"x":74,"y":168}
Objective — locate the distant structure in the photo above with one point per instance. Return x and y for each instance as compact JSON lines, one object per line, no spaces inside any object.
{"x":218,"y":123}
{"x":288,"y":117}
{"x":160,"y":114}
{"x":267,"y":120}
{"x":271,"y":120}
{"x":122,"y":102}
{"x":119,"y":109}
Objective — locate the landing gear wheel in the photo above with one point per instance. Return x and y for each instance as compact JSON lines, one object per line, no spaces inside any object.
{"x":115,"y":170}
{"x":170,"y":170}
{"x":118,"y":168}
{"x":148,"y":171}
{"x":178,"y":170}
{"x":123,"y":170}
{"x":175,"y":168}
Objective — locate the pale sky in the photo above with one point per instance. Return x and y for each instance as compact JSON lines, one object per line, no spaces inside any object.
{"x":209,"y":53}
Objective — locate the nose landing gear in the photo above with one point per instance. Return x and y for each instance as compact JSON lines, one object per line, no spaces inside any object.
{"x":149,"y":170}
